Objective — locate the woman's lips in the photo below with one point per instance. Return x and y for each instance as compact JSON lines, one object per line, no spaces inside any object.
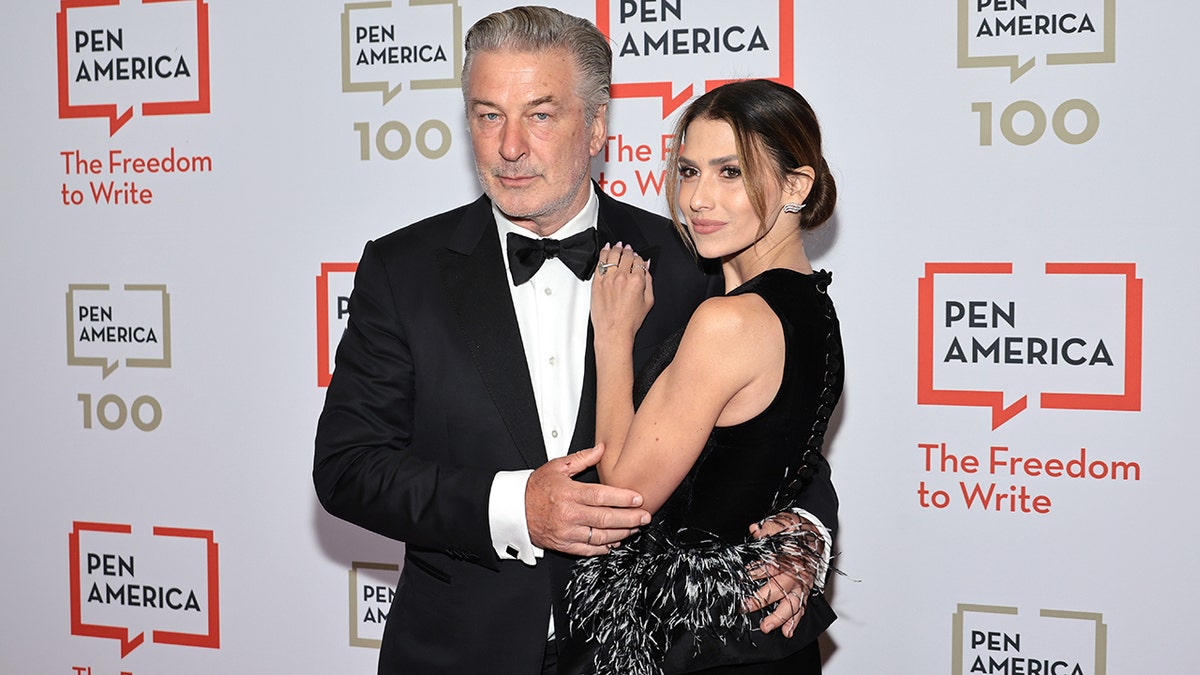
{"x":703,"y":226}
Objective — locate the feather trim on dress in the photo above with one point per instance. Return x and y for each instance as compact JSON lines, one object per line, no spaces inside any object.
{"x":636,"y":603}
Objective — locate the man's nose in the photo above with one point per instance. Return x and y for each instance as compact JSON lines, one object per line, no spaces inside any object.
{"x":513,"y":141}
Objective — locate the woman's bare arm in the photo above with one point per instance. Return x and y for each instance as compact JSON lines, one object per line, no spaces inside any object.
{"x":727,"y":369}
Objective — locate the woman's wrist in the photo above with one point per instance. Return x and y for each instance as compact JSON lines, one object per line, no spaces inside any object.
{"x":613,"y":342}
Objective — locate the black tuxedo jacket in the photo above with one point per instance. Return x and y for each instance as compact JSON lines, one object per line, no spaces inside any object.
{"x":431,"y":397}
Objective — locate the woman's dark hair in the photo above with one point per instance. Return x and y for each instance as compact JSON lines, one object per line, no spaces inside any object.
{"x":776,"y":132}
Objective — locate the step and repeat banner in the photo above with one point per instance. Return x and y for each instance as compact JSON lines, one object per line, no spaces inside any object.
{"x":188,"y":184}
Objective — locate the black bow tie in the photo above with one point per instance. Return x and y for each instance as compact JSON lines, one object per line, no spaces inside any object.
{"x":579,"y":252}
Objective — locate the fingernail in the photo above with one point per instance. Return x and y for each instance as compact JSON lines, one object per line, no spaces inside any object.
{"x":617,"y":245}
{"x":646,"y":519}
{"x":647,"y":264}
{"x":606,"y":247}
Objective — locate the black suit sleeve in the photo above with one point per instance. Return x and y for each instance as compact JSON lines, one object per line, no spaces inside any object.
{"x":367,"y":468}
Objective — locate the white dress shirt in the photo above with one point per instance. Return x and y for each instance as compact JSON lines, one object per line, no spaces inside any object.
{"x":552,"y":314}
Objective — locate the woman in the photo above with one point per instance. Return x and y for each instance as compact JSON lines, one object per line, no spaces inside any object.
{"x":730,"y":416}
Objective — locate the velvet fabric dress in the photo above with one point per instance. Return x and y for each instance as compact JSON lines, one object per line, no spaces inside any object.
{"x":666,"y":601}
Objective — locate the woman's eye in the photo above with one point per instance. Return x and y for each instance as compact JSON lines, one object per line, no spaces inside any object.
{"x":731,"y":172}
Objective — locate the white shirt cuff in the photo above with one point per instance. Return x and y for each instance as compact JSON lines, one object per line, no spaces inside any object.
{"x":506,"y":518}
{"x":819,"y":583}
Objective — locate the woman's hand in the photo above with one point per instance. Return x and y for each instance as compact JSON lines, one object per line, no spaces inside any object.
{"x":622,"y":293}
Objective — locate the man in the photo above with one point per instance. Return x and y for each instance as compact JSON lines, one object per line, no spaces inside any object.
{"x":465,"y":379}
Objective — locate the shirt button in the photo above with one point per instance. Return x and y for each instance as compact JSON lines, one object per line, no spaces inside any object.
{"x":549,"y":292}
{"x":554,"y":433}
{"x":553,"y":360}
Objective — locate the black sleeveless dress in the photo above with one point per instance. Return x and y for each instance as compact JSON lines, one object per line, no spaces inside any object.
{"x":666,"y":601}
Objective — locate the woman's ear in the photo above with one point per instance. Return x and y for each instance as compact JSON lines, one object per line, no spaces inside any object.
{"x":799,"y":183}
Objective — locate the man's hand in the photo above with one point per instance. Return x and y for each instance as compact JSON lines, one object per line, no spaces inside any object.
{"x":579,"y":518}
{"x":788,"y":585}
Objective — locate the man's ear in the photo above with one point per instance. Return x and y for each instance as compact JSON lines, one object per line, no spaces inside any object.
{"x":599,"y":130}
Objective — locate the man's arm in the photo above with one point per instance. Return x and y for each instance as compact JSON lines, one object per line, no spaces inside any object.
{"x":366,"y":469}
{"x":813,"y":508}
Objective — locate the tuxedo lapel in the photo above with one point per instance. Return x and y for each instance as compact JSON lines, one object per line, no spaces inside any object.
{"x":585,"y":422}
{"x":472,"y":270}
{"x":611,"y":229}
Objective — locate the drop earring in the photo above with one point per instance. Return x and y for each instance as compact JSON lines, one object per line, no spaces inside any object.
{"x":792,"y":207}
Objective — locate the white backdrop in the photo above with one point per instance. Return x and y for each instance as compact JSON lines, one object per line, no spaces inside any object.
{"x":1011,"y":258}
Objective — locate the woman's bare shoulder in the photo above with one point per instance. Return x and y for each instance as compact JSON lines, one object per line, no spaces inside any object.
{"x":743,"y":316}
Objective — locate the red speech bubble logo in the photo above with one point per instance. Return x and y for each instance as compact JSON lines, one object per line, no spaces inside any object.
{"x":675,"y":37}
{"x":1128,"y":399}
{"x":148,"y":73}
{"x":327,"y":307}
{"x":211,"y":638}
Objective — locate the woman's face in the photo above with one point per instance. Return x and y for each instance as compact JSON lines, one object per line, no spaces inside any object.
{"x":712,"y":194}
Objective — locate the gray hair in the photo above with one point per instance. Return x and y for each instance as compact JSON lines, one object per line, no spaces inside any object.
{"x":536,"y":29}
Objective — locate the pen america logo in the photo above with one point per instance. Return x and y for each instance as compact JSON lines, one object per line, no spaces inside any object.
{"x":107,"y":327}
{"x":115,"y":57}
{"x":388,"y":45}
{"x":334,"y":284}
{"x":129,"y":586}
{"x":997,"y":639}
{"x":1013,"y":34}
{"x":372,"y":589}
{"x":738,"y":40}
{"x":990,"y":335}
